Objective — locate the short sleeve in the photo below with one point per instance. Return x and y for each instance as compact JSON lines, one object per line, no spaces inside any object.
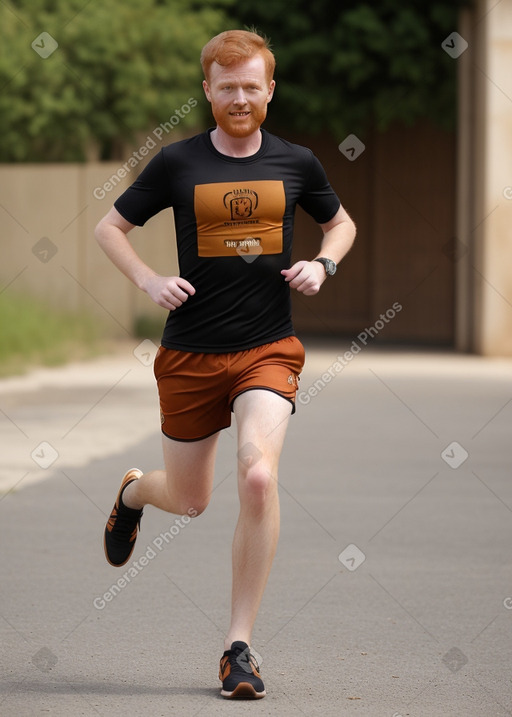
{"x":318,"y":198}
{"x":148,"y":195}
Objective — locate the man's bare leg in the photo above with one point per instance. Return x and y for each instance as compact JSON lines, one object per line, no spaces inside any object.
{"x":185,"y":484}
{"x":262,"y":418}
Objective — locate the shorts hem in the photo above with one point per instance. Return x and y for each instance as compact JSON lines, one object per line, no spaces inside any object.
{"x":264,"y":388}
{"x":193,"y":440}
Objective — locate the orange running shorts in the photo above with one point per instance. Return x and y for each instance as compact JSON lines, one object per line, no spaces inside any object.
{"x":197,"y":390}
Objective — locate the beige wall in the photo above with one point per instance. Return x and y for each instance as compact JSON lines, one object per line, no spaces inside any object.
{"x":57,"y":204}
{"x":492,"y":200}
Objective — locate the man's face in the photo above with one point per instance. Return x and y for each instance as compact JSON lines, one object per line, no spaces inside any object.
{"x":239,"y":95}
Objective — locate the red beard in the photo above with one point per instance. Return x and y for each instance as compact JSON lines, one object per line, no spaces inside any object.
{"x":237,"y":126}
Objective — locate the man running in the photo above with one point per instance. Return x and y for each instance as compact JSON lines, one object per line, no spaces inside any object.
{"x":228,"y":343}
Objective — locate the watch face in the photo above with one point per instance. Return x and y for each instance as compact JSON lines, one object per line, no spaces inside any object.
{"x":330,"y":267}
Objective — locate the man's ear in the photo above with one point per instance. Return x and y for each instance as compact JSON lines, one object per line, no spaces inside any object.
{"x":271,"y":89}
{"x":207,"y":91}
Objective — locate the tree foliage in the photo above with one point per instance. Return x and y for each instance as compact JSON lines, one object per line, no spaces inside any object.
{"x":344,"y":65}
{"x":121,"y":67}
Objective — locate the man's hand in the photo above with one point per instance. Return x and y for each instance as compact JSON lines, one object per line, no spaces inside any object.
{"x":305,"y":276}
{"x":169,"y":292}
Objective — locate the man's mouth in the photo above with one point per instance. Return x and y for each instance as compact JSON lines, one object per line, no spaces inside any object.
{"x":239,"y":114}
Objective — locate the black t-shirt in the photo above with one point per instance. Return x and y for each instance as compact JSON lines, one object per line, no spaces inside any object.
{"x":234,"y":227}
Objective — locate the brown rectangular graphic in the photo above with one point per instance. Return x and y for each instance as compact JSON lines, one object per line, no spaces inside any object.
{"x":238,"y":218}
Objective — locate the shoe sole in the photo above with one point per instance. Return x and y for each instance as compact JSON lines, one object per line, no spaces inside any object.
{"x":124,"y":482}
{"x":243,"y":689}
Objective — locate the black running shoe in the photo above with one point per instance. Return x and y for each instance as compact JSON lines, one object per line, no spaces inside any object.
{"x":239,"y":673}
{"x":122,"y":526}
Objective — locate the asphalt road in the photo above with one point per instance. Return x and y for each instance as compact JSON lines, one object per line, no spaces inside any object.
{"x":391,"y":593}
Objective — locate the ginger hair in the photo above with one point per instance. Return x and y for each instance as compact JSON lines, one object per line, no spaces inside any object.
{"x":233,"y":46}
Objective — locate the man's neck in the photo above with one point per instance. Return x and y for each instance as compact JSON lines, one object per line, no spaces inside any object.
{"x":235,"y":146}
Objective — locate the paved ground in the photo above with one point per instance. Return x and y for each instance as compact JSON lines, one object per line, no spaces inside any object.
{"x":391,"y":593}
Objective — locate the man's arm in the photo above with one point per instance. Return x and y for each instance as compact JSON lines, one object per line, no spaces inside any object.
{"x":339,"y":234}
{"x":169,"y":292}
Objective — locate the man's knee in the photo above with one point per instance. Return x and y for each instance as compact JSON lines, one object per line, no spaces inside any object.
{"x":258,"y":483}
{"x":187,"y":501}
{"x":191,"y":505}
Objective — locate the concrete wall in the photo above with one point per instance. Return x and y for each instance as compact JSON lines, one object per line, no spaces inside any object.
{"x":48,"y":214}
{"x":491,"y":210}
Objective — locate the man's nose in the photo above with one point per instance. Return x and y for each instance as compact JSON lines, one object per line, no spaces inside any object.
{"x":239,"y":97}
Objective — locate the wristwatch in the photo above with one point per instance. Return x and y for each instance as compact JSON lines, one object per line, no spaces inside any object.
{"x":328,"y":264}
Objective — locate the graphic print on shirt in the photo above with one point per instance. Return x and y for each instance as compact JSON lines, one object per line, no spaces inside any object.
{"x":236,"y":218}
